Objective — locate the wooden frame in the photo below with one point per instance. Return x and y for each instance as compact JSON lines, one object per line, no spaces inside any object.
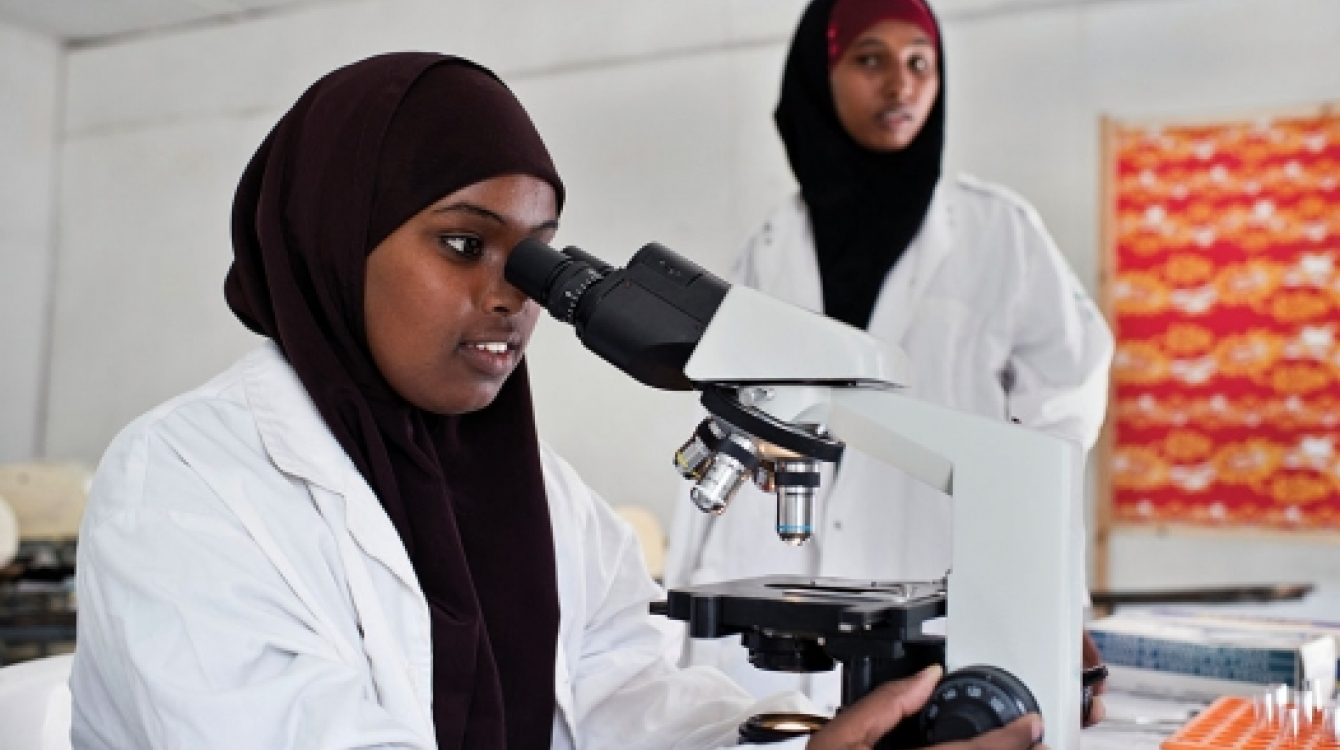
{"x":1102,"y":511}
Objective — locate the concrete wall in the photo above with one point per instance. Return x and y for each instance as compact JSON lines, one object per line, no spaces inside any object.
{"x":658,"y":114}
{"x":30,"y":87}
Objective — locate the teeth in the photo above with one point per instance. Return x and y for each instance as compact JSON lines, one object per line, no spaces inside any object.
{"x":492,"y":347}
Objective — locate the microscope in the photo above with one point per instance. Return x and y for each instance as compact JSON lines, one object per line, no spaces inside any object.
{"x":786,"y":390}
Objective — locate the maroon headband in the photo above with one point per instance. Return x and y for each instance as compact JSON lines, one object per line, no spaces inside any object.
{"x":850,"y":18}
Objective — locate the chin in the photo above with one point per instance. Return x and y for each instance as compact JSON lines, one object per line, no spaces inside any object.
{"x":884,"y":143}
{"x":467,"y":403}
{"x":454,"y":392}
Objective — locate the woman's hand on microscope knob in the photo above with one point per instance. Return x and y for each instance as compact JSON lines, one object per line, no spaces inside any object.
{"x":863,"y":724}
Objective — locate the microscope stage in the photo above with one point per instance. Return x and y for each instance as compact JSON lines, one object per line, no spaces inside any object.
{"x":804,"y":605}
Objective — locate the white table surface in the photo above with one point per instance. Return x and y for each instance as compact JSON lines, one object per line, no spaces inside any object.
{"x":1137,"y":722}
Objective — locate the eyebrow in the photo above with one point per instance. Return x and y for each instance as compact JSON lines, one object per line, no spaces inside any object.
{"x":866,"y":41}
{"x":484,"y":213}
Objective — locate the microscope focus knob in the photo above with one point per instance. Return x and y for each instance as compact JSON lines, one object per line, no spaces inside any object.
{"x":972,"y":701}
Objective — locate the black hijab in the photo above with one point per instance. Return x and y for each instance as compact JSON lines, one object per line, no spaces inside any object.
{"x":865,"y":207}
{"x":364,"y":149}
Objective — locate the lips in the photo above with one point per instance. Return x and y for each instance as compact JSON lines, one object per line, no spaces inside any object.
{"x":492,"y":347}
{"x":491,"y":356}
{"x":894,"y":118}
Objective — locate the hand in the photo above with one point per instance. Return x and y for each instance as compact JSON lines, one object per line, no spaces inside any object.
{"x":862,"y":725}
{"x":1092,"y":658}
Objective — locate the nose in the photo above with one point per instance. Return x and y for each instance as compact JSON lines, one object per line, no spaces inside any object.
{"x":504,"y":298}
{"x":898,"y":84}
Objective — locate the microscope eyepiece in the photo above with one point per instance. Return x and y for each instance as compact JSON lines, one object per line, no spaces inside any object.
{"x":531,"y":266}
{"x":645,"y":318}
{"x":556,"y":280}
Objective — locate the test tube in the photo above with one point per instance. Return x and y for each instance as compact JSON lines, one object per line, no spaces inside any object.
{"x":1290,"y":727}
{"x":1306,"y":703}
{"x":1263,"y":709}
{"x":1328,"y":730}
{"x":1266,"y":705}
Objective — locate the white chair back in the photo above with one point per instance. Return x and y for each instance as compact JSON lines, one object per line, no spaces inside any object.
{"x":9,"y":533}
{"x":35,"y":708}
{"x":47,"y":497}
{"x":649,"y":534}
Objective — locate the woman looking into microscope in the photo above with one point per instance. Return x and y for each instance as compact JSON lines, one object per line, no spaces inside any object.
{"x":957,"y":272}
{"x":353,"y":538}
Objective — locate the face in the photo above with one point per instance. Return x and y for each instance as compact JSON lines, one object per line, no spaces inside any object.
{"x":445,"y":328}
{"x":885,"y":85}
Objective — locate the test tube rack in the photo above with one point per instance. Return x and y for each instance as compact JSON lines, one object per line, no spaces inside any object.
{"x":1228,"y":724}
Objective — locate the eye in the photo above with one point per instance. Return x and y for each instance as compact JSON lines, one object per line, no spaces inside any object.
{"x":462,"y":244}
{"x":870,"y":62}
{"x":919,"y":64}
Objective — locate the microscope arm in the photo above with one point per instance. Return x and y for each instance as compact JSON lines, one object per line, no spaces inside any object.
{"x":1015,"y":593}
{"x":858,"y":430}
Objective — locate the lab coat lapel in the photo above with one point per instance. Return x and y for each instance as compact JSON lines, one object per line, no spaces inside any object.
{"x":373,"y":531}
{"x":301,"y":445}
{"x":905,"y":288}
{"x":791,"y":272}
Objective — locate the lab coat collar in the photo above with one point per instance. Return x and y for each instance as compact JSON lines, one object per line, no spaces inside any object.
{"x":301,"y":445}
{"x":935,"y":240}
{"x":291,"y":428}
{"x":906,"y":285}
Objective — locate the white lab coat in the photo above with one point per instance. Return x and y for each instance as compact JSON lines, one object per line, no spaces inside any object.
{"x":240,"y":586}
{"x":994,"y":323}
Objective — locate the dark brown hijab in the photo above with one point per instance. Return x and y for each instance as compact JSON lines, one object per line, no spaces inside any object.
{"x":364,"y":149}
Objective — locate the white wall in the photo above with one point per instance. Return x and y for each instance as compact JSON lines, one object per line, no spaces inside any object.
{"x":651,"y":116}
{"x":30,"y":75}
{"x":659,"y":116}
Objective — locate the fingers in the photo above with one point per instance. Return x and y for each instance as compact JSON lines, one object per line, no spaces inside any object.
{"x":890,"y":703}
{"x":1090,"y":655}
{"x":1021,"y":734}
{"x":894,"y":701}
{"x":1096,"y":712}
{"x":865,"y":722}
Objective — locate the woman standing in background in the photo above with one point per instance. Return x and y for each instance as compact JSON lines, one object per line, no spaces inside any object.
{"x":959,"y":273}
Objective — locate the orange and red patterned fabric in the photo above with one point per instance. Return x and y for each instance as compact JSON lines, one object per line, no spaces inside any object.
{"x":1226,"y":302}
